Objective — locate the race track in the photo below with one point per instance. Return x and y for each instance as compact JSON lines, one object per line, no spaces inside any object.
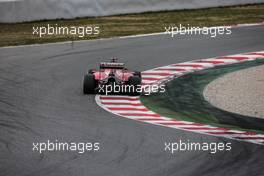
{"x":41,"y":99}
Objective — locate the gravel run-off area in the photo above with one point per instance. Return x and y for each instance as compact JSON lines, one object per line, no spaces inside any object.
{"x":241,"y":92}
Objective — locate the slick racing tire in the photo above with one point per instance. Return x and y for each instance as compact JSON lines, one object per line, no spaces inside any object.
{"x":88,"y":84}
{"x":136,"y":82}
{"x":137,"y":73}
{"x":91,"y":71}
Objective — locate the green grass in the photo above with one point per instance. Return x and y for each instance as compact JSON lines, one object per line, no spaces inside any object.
{"x":183,"y":100}
{"x":122,"y":25}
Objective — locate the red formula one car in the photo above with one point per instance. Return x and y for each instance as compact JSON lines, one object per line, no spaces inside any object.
{"x":112,"y":77}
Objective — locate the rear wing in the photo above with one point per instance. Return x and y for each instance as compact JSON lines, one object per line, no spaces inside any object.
{"x":112,"y":65}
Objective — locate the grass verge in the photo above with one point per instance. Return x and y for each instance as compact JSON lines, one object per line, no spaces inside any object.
{"x":122,"y":25}
{"x":184,"y":100}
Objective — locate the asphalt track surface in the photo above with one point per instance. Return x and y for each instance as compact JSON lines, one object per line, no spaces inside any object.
{"x":41,"y":99}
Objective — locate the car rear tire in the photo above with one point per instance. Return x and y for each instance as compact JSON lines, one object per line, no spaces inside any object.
{"x":136,"y":82}
{"x":91,"y":71}
{"x":137,"y":73}
{"x":88,"y":84}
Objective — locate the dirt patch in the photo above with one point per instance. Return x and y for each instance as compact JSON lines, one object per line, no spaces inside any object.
{"x":240,"y":92}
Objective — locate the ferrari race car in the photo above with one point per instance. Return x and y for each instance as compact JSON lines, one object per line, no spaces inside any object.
{"x":112,"y":77}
